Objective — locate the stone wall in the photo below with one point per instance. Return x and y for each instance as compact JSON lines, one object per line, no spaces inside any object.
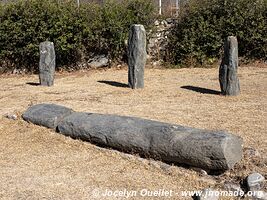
{"x":158,"y":40}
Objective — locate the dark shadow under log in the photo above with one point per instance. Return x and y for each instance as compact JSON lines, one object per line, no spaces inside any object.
{"x":209,"y":150}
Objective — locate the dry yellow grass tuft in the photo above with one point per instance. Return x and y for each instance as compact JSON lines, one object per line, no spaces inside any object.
{"x":37,"y":163}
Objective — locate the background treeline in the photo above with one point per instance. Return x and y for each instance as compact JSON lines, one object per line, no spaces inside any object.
{"x":202,"y":26}
{"x":76,"y":33}
{"x":79,"y":34}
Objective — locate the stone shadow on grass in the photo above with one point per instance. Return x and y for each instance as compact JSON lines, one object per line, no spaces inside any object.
{"x":201,"y":90}
{"x":33,"y":83}
{"x":114,"y":83}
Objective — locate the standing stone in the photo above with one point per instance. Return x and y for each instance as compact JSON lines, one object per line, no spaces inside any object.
{"x":210,"y":150}
{"x":136,"y":56}
{"x":47,"y":115}
{"x":229,"y":81}
{"x":47,"y":63}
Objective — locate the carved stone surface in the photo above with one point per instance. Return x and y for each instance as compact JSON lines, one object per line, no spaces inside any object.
{"x":211,"y":150}
{"x":47,"y":115}
{"x":228,"y":78}
{"x":47,"y":63}
{"x":171,"y":143}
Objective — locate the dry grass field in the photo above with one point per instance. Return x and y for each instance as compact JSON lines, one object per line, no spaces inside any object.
{"x":37,"y":163}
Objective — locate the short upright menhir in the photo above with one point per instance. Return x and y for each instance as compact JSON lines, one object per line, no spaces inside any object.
{"x":228,"y":77}
{"x":136,"y":56}
{"x":47,"y":63}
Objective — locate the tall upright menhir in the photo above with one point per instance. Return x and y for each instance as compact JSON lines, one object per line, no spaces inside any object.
{"x":228,"y":77}
{"x":136,"y":56}
{"x":47,"y":63}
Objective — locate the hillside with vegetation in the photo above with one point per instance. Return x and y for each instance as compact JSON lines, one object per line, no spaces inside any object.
{"x":102,"y":29}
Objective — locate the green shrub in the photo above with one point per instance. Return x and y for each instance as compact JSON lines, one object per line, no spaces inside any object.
{"x":27,"y":23}
{"x":76,"y":33}
{"x":116,"y":19}
{"x":200,"y":31}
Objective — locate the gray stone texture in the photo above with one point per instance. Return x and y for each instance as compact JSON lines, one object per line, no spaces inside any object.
{"x":170,"y":143}
{"x":255,"y":181}
{"x":99,"y":61}
{"x":211,"y":150}
{"x":47,"y":63}
{"x":228,"y":77}
{"x":48,"y":115}
{"x":137,"y":56}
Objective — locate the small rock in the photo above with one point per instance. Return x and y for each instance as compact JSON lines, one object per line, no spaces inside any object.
{"x":99,"y":61}
{"x":16,"y":71}
{"x":127,"y":156}
{"x":164,"y":166}
{"x":156,"y":63}
{"x":255,"y":181}
{"x":199,"y":170}
{"x":154,"y":164}
{"x":234,"y":188}
{"x":206,"y":194}
{"x":259,"y":195}
{"x":169,"y":20}
{"x":208,"y":180}
{"x":47,"y":63}
{"x":11,"y":116}
{"x":251,"y":152}
{"x":156,"y":23}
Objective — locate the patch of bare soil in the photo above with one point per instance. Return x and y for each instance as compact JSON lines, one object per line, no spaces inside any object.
{"x":37,"y":163}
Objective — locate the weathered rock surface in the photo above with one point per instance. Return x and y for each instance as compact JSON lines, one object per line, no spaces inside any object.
{"x":48,"y":115}
{"x":251,"y":152}
{"x":11,"y":116}
{"x":47,"y":63}
{"x":170,"y":143}
{"x":259,"y":195}
{"x":136,"y":56}
{"x":228,"y":78}
{"x":255,"y":181}
{"x":211,"y":150}
{"x":98,"y":61}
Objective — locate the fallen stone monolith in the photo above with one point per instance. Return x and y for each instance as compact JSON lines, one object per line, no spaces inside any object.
{"x":228,"y":77}
{"x":47,"y":63}
{"x":211,"y":150}
{"x":136,"y":56}
{"x":48,"y":115}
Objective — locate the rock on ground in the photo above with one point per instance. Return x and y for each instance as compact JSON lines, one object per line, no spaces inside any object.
{"x":47,"y":63}
{"x":236,"y":189}
{"x":229,"y":81}
{"x":136,"y":56}
{"x":48,"y":115}
{"x":98,"y":61}
{"x":206,"y":194}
